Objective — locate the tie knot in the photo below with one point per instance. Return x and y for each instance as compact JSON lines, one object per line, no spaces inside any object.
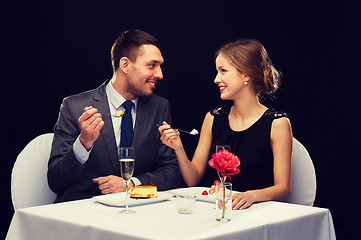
{"x":128,"y":105}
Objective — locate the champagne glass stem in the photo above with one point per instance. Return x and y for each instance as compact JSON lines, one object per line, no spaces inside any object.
{"x":126,"y":198}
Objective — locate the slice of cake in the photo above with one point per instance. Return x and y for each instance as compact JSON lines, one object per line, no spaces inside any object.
{"x":143,"y":192}
{"x":119,"y":114}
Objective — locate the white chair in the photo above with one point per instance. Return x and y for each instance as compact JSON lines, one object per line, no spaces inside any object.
{"x":303,"y":180}
{"x":29,"y":183}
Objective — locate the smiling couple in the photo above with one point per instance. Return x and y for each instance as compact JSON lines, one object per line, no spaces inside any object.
{"x":84,"y":157}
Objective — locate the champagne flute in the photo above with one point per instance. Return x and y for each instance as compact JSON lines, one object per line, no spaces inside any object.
{"x":219,"y":148}
{"x":127,"y":162}
{"x":223,"y":147}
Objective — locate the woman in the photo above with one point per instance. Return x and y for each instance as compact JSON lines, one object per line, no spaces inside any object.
{"x":260,"y":137}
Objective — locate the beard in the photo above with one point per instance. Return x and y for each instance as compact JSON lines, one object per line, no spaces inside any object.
{"x":135,"y":89}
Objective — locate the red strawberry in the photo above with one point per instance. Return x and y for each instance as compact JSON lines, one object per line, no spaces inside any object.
{"x":205,"y":192}
{"x":212,"y":190}
{"x":215,"y":182}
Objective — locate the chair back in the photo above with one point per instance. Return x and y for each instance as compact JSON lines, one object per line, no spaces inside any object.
{"x":29,"y":183}
{"x":303,"y":179}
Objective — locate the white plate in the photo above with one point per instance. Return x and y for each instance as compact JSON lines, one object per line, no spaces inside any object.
{"x":118,"y":199}
{"x":197,"y":191}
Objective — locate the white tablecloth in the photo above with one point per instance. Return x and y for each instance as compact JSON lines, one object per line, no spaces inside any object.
{"x":87,"y":219}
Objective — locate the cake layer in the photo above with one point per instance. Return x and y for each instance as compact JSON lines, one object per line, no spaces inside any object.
{"x":143,"y":192}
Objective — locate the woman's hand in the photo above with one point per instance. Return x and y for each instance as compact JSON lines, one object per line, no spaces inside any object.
{"x":243,"y":200}
{"x":170,"y":137}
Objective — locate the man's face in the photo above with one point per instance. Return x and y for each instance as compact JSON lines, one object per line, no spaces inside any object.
{"x":144,"y":73}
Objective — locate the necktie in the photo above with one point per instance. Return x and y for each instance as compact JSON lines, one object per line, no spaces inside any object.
{"x":126,"y":128}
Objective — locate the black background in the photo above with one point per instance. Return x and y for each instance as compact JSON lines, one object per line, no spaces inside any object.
{"x":53,"y":49}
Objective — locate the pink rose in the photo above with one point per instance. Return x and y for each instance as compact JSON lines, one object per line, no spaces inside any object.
{"x":225,"y":162}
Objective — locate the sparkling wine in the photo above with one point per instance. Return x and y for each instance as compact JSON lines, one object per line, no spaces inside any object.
{"x":127,"y":168}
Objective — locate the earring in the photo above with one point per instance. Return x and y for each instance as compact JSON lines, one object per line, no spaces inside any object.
{"x":246,"y":83}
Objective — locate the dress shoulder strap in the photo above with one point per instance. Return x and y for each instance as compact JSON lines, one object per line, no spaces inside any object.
{"x":274,"y":114}
{"x":220,"y":112}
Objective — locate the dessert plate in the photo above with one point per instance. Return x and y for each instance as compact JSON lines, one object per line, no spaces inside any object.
{"x":118,"y":199}
{"x":196,"y":191}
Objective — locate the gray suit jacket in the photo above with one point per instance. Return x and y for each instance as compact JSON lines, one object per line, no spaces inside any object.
{"x":71,"y":180}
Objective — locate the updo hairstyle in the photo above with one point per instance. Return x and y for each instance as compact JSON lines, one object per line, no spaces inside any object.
{"x":251,"y":58}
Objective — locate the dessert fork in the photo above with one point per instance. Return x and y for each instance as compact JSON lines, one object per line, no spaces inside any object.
{"x":193,"y":132}
{"x":118,"y":114}
{"x":109,"y":114}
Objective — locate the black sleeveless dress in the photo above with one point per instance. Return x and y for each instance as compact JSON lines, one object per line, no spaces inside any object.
{"x":251,"y":145}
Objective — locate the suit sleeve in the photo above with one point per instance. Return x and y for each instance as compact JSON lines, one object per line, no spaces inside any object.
{"x":166,"y":173}
{"x":63,"y":167}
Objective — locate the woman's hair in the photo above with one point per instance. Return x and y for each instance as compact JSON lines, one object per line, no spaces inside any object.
{"x":128,"y":43}
{"x":251,"y":58}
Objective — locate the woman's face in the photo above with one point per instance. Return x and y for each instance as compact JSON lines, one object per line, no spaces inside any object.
{"x":229,"y":80}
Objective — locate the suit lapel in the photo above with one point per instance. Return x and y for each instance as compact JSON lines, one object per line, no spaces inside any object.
{"x":107,"y":133}
{"x":141,"y":124}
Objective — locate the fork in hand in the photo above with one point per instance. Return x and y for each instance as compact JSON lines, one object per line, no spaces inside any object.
{"x":193,"y":132}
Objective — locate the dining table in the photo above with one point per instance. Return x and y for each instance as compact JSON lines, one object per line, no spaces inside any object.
{"x":101,"y":218}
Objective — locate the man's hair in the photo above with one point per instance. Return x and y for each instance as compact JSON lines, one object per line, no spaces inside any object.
{"x":128,"y":44}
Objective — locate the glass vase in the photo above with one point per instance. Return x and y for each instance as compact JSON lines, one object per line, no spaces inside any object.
{"x":224,"y":201}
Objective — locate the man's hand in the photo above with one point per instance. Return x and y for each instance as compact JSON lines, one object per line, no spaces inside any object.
{"x":111,"y":184}
{"x":90,"y":123}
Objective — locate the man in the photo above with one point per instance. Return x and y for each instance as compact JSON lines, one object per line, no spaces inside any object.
{"x":84,"y":157}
